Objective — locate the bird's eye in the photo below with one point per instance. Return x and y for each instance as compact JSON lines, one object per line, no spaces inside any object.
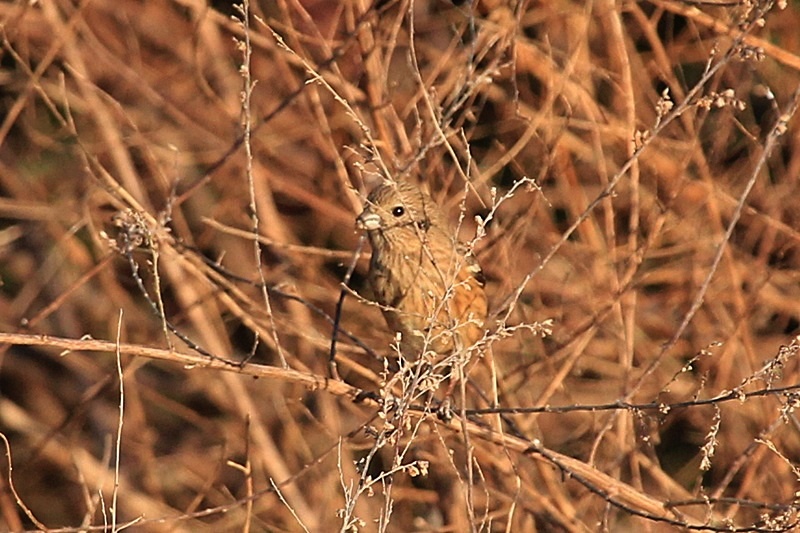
{"x":398,"y":211}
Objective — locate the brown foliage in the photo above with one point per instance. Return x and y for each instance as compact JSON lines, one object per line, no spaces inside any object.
{"x":626,"y":170}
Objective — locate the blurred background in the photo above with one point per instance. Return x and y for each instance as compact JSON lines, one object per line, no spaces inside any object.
{"x":597,"y":154}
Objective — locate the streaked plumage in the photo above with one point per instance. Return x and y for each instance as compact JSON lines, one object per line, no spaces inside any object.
{"x":430,"y":287}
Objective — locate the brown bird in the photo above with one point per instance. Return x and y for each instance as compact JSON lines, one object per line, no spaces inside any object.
{"x":429,"y":286}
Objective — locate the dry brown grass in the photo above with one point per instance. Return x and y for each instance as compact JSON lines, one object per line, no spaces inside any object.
{"x":659,"y":231}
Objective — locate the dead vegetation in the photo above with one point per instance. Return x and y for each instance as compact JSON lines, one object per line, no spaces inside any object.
{"x":627,"y":173}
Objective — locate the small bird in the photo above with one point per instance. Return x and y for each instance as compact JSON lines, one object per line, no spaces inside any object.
{"x":429,"y":286}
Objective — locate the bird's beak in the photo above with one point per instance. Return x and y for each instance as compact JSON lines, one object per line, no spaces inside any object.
{"x":368,"y":221}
